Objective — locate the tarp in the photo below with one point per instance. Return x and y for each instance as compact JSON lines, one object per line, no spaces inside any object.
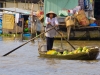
{"x":57,"y":5}
{"x":8,"y":21}
{"x":18,"y":10}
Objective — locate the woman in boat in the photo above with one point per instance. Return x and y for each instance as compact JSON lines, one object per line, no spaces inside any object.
{"x":51,"y":19}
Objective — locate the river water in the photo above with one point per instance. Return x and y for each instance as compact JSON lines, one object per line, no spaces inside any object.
{"x":26,"y":60}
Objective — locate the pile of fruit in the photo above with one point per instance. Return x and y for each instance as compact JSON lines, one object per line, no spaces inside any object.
{"x":66,"y":52}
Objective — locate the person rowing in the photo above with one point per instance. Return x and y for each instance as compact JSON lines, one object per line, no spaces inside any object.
{"x":51,"y":19}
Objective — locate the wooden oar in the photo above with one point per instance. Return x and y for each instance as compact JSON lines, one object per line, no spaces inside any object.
{"x":64,"y":38}
{"x":27,"y":42}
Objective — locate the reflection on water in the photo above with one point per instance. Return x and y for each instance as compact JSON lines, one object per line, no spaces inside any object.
{"x":52,"y":61}
{"x":9,"y":38}
{"x":25,"y":60}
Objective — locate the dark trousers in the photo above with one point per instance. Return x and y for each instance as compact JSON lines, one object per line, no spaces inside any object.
{"x":49,"y":43}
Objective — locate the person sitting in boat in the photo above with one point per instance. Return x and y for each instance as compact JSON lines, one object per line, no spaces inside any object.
{"x":51,"y":19}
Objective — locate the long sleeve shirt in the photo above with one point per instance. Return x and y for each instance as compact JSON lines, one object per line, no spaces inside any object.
{"x":53,"y":22}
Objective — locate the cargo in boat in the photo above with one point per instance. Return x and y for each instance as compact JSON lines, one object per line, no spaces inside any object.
{"x":91,"y":55}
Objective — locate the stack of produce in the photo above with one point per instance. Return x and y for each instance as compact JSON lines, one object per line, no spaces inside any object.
{"x":77,"y":51}
{"x":52,"y":52}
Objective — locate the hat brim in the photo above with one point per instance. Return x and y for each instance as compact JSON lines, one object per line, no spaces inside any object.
{"x":54,"y":15}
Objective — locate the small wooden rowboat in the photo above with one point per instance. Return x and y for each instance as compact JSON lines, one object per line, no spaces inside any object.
{"x":92,"y":55}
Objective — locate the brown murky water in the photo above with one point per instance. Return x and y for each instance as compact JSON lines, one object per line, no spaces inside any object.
{"x":25,"y":61}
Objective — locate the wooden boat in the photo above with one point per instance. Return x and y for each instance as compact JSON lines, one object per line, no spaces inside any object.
{"x":92,"y":55}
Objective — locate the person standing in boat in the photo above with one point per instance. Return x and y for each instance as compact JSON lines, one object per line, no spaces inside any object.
{"x":51,"y":19}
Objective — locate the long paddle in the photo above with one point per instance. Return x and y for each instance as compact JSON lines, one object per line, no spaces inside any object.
{"x":27,"y":42}
{"x":64,"y":38}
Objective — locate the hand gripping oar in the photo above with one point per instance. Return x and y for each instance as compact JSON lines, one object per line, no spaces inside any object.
{"x":64,"y":38}
{"x":27,"y":42}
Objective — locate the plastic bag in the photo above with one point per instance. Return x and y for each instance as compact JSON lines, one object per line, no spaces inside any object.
{"x":63,"y":13}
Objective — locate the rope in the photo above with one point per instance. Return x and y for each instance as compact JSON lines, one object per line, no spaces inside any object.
{"x":61,"y":42}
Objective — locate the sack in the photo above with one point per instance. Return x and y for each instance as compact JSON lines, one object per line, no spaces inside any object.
{"x":84,"y":22}
{"x":70,"y":21}
{"x":63,"y":13}
{"x":38,"y":13}
{"x":82,"y":19}
{"x":81,"y":12}
{"x":41,"y":18}
{"x":92,"y":20}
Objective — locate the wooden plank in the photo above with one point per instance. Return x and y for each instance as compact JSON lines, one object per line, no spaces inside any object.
{"x":88,"y":27}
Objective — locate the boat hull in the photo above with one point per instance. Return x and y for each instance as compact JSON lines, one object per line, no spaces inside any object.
{"x":92,"y":55}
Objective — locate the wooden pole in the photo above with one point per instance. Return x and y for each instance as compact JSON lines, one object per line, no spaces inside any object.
{"x":32,"y":18}
{"x":68,"y":32}
{"x":15,"y":17}
{"x":93,"y":7}
{"x":22,"y":28}
{"x":39,"y":5}
{"x":28,"y":5}
{"x":5,"y":4}
{"x":25,"y":4}
{"x":65,"y":38}
{"x":27,"y":42}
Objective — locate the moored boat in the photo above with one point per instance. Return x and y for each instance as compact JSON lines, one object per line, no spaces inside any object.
{"x":91,"y":55}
